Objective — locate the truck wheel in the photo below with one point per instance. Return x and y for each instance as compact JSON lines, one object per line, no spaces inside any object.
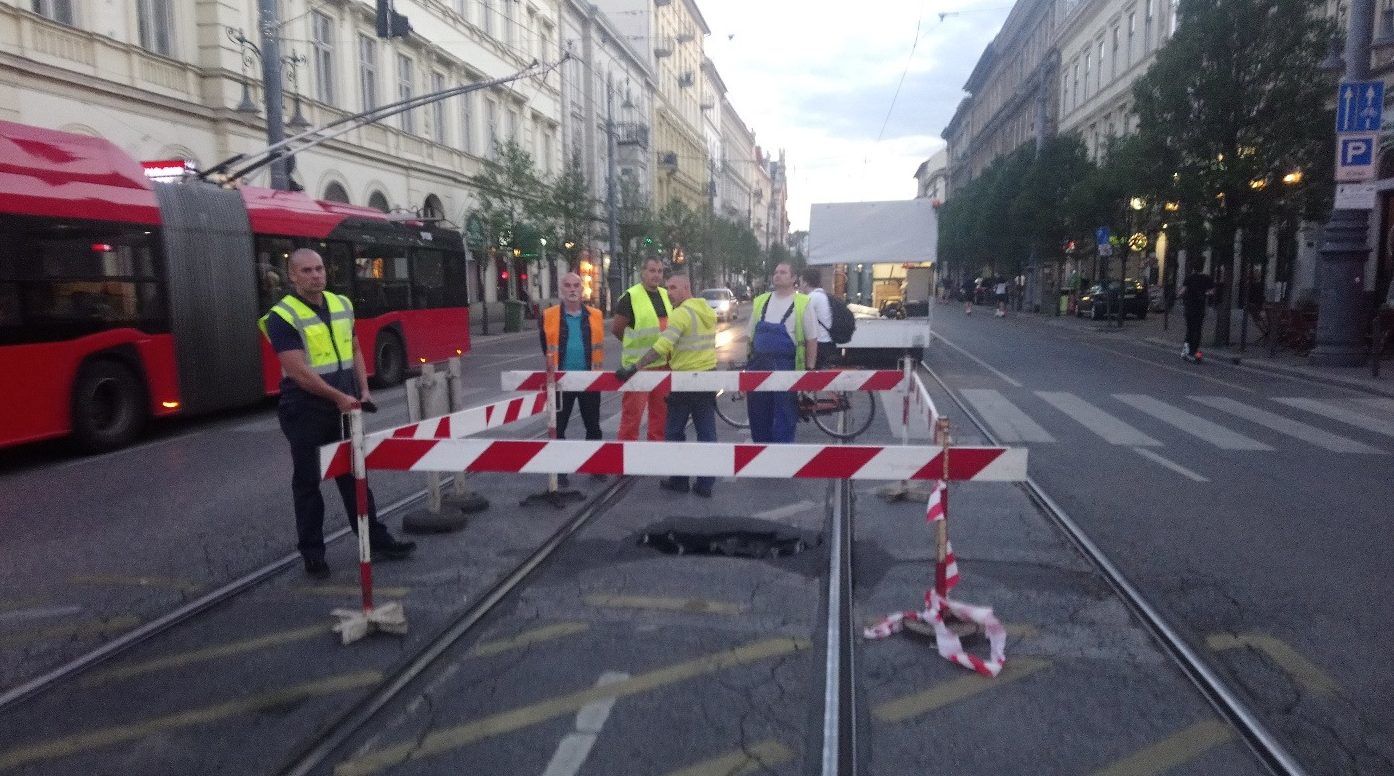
{"x":389,"y":358}
{"x":108,"y":406}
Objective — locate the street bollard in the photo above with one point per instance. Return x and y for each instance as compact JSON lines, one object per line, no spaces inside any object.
{"x":460,"y":495}
{"x":429,"y":395}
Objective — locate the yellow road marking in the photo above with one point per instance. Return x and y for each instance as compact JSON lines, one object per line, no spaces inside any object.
{"x":119,"y":581}
{"x":918,"y":703}
{"x":353,"y":590}
{"x":70,"y":745}
{"x":527,"y":638}
{"x":69,"y":631}
{"x":208,"y":653}
{"x":1174,"y":750}
{"x":749,"y":760}
{"x":21,"y":603}
{"x":694,"y":605}
{"x":446,"y":739}
{"x":1287,"y":658}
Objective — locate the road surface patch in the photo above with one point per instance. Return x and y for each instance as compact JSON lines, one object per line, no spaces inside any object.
{"x":97,"y":739}
{"x":527,"y":639}
{"x":745,"y":761}
{"x":1362,"y":420}
{"x":120,"y":581}
{"x":1293,"y":428}
{"x":940,"y":695}
{"x":1008,"y":422}
{"x":1170,"y":464}
{"x":447,"y":739}
{"x":1290,"y":660}
{"x":1172,"y":751}
{"x":1195,"y":425}
{"x":692,"y":605}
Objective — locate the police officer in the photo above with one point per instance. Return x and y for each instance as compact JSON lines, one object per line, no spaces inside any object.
{"x":783,"y":335}
{"x":323,"y":375}
{"x":641,"y":313}
{"x":688,"y":345}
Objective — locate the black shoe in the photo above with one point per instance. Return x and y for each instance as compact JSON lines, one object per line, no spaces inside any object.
{"x":676,"y":487}
{"x":317,"y":569}
{"x":703,"y":492}
{"x":392,"y":549}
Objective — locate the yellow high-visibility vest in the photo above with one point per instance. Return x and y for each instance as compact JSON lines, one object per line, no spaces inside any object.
{"x":689,"y":342}
{"x":643,"y":331}
{"x":328,"y":350}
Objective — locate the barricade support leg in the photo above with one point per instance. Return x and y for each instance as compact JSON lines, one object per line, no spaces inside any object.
{"x":429,"y":395}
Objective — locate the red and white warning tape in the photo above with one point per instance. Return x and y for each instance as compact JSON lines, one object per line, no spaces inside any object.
{"x":657,"y":379}
{"x":699,"y":459}
{"x":334,"y":457}
{"x":937,"y":601}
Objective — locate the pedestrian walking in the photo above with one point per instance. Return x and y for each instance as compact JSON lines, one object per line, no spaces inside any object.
{"x":323,"y":377}
{"x":641,"y":314}
{"x":573,"y":339}
{"x":782,"y":335}
{"x":968,"y":288}
{"x":1001,"y":293}
{"x":812,"y":282}
{"x":688,"y":345}
{"x":1196,"y":290}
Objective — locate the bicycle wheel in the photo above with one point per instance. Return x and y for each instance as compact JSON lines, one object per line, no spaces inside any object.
{"x":731,"y":407}
{"x":860,"y":407}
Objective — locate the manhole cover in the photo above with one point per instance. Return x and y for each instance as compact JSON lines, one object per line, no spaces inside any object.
{"x":735,"y":537}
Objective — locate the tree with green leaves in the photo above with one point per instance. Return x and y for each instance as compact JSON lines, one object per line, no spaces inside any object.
{"x":570,"y":213}
{"x":1233,"y":102}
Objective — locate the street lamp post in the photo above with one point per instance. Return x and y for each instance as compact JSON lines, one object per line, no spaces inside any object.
{"x":1346,"y":239}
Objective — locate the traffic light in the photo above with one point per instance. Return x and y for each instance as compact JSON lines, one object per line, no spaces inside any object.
{"x":390,"y":23}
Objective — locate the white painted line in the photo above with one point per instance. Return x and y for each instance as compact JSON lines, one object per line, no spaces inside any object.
{"x":491,"y":362}
{"x":978,"y":361}
{"x":788,"y":510}
{"x":573,"y":750}
{"x":1170,"y":464}
{"x":39,"y":613}
{"x":1293,"y":428}
{"x":1368,"y":422}
{"x":1008,"y":422}
{"x":1194,"y":425}
{"x":1108,"y":427}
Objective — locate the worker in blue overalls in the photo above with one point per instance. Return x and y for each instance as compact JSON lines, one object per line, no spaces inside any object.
{"x":782,"y":335}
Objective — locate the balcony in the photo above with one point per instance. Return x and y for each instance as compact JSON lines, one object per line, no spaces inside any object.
{"x":669,"y":160}
{"x":632,"y":133}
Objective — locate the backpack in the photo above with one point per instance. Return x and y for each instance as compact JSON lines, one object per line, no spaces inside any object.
{"x":844,"y":322}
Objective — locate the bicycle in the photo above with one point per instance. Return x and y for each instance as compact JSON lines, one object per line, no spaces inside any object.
{"x":823,"y":408}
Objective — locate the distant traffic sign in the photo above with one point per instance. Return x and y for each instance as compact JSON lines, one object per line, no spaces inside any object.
{"x":1356,"y":156}
{"x":1359,"y":106}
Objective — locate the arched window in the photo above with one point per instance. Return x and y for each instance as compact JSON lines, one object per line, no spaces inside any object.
{"x":335,"y":193}
{"x":432,"y":208}
{"x":378,"y":201}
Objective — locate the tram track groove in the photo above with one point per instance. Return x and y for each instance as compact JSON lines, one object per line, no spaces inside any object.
{"x":1230,"y":707}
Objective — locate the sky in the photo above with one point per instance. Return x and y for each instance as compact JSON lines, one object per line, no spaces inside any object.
{"x":817,"y":78}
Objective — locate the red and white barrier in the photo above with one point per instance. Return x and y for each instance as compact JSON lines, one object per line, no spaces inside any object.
{"x":699,"y":459}
{"x":335,"y":458}
{"x":748,"y":381}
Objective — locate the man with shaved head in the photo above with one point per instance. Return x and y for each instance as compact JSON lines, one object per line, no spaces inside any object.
{"x":573,"y":337}
{"x":323,"y":376}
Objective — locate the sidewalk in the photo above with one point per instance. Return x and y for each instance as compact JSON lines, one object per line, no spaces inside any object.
{"x":1255,"y":355}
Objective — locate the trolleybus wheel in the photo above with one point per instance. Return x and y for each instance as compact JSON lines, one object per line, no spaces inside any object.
{"x":108,"y":406}
{"x":389,"y":358}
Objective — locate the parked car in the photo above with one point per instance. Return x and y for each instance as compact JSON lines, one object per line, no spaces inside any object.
{"x":1100,"y":303}
{"x":722,"y":302}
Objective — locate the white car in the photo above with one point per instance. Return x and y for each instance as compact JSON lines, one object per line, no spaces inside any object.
{"x":722,"y":302}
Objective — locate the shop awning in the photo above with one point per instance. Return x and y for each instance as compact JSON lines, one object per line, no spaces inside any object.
{"x":872,"y":232}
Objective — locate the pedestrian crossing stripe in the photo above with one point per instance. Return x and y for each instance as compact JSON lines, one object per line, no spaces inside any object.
{"x":1367,"y":421}
{"x":1196,"y":426}
{"x":1284,"y":425}
{"x":1110,"y":428}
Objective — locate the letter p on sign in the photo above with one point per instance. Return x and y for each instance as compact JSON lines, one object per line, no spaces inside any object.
{"x":1355,"y":157}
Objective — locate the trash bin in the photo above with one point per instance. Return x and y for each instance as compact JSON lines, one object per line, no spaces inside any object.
{"x":1064,"y":302}
{"x":512,"y":315}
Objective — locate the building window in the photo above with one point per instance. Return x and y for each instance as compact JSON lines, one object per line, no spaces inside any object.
{"x":1147,"y":25}
{"x":335,"y":193}
{"x":322,"y":34}
{"x":368,"y":72}
{"x":1175,"y":16}
{"x":155,"y":19}
{"x":1100,"y":85}
{"x":467,"y":122}
{"x":1113,"y":60}
{"x":545,"y":43}
{"x":1074,"y":92}
{"x":60,"y":11}
{"x":491,"y":124}
{"x":438,"y":109}
{"x":510,"y":26}
{"x":1132,"y":32}
{"x":511,"y":128}
{"x":546,"y":150}
{"x":1086,"y":74}
{"x":378,"y":201}
{"x":486,"y":16}
{"x":404,"y":91}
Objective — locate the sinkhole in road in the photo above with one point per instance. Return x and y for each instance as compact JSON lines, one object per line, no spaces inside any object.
{"x":733,"y":537}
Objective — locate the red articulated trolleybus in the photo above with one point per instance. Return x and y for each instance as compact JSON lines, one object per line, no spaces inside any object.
{"x":124,"y":299}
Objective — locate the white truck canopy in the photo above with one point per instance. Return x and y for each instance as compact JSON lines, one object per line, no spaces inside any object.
{"x":872,"y":232}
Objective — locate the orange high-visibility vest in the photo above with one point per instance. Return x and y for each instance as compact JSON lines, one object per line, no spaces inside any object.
{"x":553,"y":330}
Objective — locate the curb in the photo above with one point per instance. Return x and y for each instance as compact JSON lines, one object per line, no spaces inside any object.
{"x":1263,"y":364}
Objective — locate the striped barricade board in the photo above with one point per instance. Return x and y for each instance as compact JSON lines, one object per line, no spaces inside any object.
{"x":700,"y":459}
{"x":657,"y":379}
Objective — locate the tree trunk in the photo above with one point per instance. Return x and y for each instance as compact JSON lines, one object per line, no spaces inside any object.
{"x":1222,"y":267}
